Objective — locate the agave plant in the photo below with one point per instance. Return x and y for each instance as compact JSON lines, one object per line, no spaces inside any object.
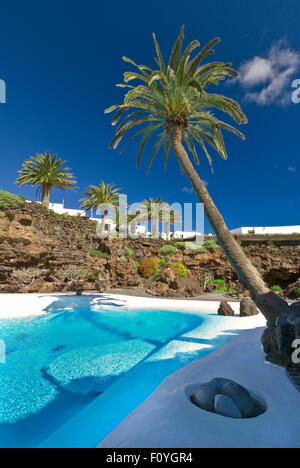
{"x":102,"y":194}
{"x":48,"y":173}
{"x":173,"y":106}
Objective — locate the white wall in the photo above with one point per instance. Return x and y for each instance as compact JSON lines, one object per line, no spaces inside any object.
{"x":267,"y":230}
{"x":185,"y":234}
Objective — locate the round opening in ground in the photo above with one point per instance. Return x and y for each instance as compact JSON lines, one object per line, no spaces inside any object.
{"x":226,"y":398}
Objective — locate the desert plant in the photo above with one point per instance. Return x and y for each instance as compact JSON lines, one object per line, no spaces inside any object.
{"x":221,"y":290}
{"x":195,"y":247}
{"x":297,"y":292}
{"x":168,"y":249}
{"x":161,"y":262}
{"x":47,"y":172}
{"x":72,"y":273}
{"x":276,"y":288}
{"x":179,"y":269}
{"x":8,"y":200}
{"x":26,"y":276}
{"x":172,"y":103}
{"x":98,"y":253}
{"x":129,"y":252}
{"x":219,"y":281}
{"x":148,"y":267}
{"x":213,"y":244}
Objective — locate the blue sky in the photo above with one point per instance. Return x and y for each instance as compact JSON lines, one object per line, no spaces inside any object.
{"x":61,"y":59}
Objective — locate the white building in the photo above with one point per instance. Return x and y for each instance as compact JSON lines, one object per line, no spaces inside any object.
{"x":110,"y":225}
{"x":267,"y":230}
{"x":185,"y":235}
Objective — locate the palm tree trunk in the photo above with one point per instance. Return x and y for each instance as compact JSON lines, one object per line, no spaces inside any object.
{"x":270,"y":304}
{"x":167,"y":230}
{"x":46,"y":190}
{"x":105,"y":213}
{"x":155,"y":226}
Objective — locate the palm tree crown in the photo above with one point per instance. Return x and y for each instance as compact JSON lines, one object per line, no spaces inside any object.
{"x":48,"y":173}
{"x":175,"y":96}
{"x":157,"y":211}
{"x":96,"y":195}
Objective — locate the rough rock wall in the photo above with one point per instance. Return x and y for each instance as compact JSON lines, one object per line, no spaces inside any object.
{"x":43,"y":252}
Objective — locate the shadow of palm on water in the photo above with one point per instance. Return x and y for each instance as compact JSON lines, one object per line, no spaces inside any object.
{"x":92,"y":345}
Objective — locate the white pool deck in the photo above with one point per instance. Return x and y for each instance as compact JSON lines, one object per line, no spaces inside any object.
{"x":167,"y":418}
{"x":25,"y":305}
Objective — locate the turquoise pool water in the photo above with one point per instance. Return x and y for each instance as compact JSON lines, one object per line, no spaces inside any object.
{"x":74,"y":365}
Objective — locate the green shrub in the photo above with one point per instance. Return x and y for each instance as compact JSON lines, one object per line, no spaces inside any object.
{"x":98,"y":253}
{"x":129,"y":252}
{"x":297,"y":292}
{"x":148,"y":267}
{"x":161,"y":262}
{"x":219,"y":281}
{"x":221,"y":290}
{"x":213,"y":244}
{"x":168,"y":249}
{"x":232,"y":292}
{"x":123,"y":259}
{"x":179,"y":269}
{"x":195,"y":247}
{"x":276,"y":288}
{"x":136,"y":265}
{"x":57,"y":228}
{"x":8,"y":200}
{"x":180,"y":243}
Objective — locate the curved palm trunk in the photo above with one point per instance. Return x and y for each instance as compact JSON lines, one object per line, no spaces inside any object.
{"x":267,"y":301}
{"x":46,"y":190}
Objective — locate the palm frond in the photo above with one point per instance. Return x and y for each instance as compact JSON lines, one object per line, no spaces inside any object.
{"x":176,"y":95}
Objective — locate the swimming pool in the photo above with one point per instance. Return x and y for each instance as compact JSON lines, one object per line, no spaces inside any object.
{"x":92,"y":360}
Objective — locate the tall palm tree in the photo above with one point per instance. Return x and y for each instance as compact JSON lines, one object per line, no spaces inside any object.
{"x":47,"y":172}
{"x":172,"y":104}
{"x":101,"y":194}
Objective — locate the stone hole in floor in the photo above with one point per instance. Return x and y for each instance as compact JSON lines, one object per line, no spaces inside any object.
{"x":227,"y":398}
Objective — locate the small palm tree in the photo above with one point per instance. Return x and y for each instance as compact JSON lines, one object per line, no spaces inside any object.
{"x":151,"y":210}
{"x":47,"y":172}
{"x":168,"y":217}
{"x":172,"y":105}
{"x":101,"y":194}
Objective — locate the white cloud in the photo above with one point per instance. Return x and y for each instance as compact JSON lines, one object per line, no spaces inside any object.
{"x":270,"y":75}
{"x":187,"y":189}
{"x":190,"y":190}
{"x":292,"y":169}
